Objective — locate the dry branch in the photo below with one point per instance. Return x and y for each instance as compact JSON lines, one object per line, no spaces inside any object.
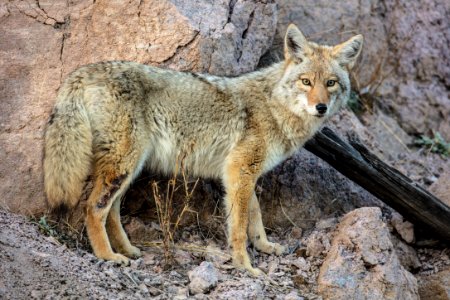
{"x":357,"y":163}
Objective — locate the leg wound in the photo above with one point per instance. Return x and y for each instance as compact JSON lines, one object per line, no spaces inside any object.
{"x":111,"y":190}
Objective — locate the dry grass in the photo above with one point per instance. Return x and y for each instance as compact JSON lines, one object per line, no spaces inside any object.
{"x":169,"y":218}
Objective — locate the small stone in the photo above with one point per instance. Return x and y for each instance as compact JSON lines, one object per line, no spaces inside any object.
{"x":314,"y":246}
{"x":182,"y":257}
{"x":154,"y":291}
{"x":136,"y":263}
{"x":430,"y":179}
{"x":404,"y":228}
{"x":143,"y":288}
{"x":273,"y":266}
{"x":296,"y":233}
{"x":35,"y":294}
{"x":301,"y":264}
{"x":149,"y":258}
{"x":182,"y":293}
{"x":215,"y":255}
{"x":203,"y":278}
{"x":293,"y":296}
{"x":175,"y":274}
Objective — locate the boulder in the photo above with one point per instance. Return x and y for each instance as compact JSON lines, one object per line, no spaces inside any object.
{"x":362,"y":262}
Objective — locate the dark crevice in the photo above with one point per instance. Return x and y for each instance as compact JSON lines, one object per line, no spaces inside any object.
{"x":230,"y":10}
{"x":61,"y":51}
{"x":56,"y":25}
{"x":139,"y":8}
{"x":245,"y":32}
{"x":182,"y":46}
{"x":249,"y":24}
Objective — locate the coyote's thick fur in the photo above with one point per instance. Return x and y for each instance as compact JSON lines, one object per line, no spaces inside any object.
{"x":112,"y":119}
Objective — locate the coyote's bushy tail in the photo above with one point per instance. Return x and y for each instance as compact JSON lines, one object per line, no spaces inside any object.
{"x":68,"y":150}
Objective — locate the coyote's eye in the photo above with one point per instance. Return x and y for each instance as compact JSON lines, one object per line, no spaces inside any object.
{"x":331,"y":83}
{"x":306,"y":81}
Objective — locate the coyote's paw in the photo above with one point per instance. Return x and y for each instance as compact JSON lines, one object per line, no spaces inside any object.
{"x":248,"y":267}
{"x":270,"y":248}
{"x":133,"y":252}
{"x":242,"y":262}
{"x":117,"y":258}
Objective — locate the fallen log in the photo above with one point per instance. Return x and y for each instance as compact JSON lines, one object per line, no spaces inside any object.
{"x":361,"y":166}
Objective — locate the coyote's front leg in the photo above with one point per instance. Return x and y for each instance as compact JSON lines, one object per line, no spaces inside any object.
{"x":240,"y":177}
{"x":256,"y":232}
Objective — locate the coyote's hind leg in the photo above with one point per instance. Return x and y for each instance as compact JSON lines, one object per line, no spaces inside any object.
{"x":117,"y":236}
{"x":256,"y":232}
{"x":105,"y":192}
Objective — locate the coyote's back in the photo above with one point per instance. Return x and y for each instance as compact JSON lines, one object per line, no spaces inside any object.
{"x":126,"y":111}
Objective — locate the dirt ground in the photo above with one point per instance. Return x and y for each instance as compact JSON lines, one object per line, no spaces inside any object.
{"x":37,"y":266}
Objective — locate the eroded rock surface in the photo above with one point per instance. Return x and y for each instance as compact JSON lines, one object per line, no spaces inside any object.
{"x":362,"y":262}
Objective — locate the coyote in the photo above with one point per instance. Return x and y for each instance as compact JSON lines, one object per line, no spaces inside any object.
{"x":112,"y":119}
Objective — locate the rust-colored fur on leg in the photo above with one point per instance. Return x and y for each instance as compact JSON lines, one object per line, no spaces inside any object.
{"x":256,"y":232}
{"x":103,"y":208}
{"x":241,"y":174}
{"x":95,"y":223}
{"x":117,"y":236}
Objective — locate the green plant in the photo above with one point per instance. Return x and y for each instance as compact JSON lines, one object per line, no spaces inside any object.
{"x":45,"y":227}
{"x":435,"y":144}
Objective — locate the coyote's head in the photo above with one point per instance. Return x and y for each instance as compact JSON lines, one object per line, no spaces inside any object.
{"x":316,"y":77}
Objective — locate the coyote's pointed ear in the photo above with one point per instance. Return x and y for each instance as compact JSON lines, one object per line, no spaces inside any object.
{"x":347,"y":53}
{"x":295,"y":44}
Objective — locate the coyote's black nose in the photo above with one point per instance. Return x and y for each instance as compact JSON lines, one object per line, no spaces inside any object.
{"x":321,"y":108}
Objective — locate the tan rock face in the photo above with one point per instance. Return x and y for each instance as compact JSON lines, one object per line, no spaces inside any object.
{"x":362,"y":263}
{"x":42,"y":41}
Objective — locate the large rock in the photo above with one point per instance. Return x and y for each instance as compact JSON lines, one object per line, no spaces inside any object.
{"x":405,"y":50}
{"x":42,"y":41}
{"x":362,"y":262}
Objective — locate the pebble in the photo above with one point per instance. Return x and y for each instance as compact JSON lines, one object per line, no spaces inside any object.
{"x":203,"y":278}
